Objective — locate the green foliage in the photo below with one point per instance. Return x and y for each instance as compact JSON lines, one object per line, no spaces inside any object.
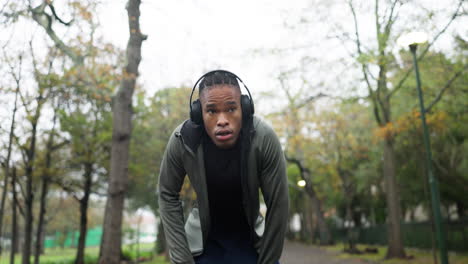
{"x":447,"y":124}
{"x":418,"y":256}
{"x":67,"y":256}
{"x":154,"y":120}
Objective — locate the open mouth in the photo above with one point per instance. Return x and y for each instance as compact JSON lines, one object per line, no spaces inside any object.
{"x":223,"y":135}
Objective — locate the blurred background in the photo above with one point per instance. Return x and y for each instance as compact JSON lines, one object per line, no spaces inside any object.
{"x":373,"y":173}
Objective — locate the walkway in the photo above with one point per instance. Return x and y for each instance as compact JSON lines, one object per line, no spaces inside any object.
{"x":295,"y":253}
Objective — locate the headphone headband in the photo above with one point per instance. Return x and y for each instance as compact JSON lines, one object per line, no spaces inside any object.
{"x":221,"y":71}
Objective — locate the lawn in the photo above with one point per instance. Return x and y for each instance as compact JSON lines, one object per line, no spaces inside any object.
{"x":418,"y":256}
{"x":67,"y":255}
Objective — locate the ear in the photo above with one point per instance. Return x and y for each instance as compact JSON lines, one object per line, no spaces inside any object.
{"x":247,"y":106}
{"x":196,"y":113}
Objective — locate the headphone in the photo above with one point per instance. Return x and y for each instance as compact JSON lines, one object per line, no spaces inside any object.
{"x":247,"y":104}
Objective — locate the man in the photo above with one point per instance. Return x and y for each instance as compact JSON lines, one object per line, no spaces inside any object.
{"x":228,"y":155}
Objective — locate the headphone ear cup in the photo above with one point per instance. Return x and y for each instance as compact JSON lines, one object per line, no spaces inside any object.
{"x":247,"y":106}
{"x":196,"y":112}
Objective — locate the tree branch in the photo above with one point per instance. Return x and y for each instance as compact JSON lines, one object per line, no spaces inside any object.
{"x":52,"y":8}
{"x":60,"y":145}
{"x":21,"y":189}
{"x":359,"y":49}
{"x":423,"y":53}
{"x":446,"y":86}
{"x":364,"y":65}
{"x":45,"y":21}
{"x":310,"y":99}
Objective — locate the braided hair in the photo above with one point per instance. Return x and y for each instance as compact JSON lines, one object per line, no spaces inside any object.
{"x":218,"y":78}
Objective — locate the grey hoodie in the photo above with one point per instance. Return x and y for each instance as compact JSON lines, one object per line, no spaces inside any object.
{"x":265,"y":171}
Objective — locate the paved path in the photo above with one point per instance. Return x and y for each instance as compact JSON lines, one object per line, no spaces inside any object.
{"x":295,"y":253}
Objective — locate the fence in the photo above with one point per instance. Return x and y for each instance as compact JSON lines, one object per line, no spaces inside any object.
{"x":70,"y":239}
{"x":93,"y":238}
{"x":417,"y":235}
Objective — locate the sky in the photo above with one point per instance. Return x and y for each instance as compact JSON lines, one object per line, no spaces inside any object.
{"x":254,"y":39}
{"x":189,"y":38}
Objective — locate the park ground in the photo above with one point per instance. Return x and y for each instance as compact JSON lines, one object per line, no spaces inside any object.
{"x":294,"y":253}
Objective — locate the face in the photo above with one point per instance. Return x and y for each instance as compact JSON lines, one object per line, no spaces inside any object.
{"x":222,"y":114}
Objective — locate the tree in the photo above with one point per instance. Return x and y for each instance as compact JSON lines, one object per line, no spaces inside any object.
{"x":85,"y":117}
{"x":380,"y":95}
{"x":121,"y":134}
{"x":294,"y":121}
{"x":45,"y":15}
{"x":88,"y":123}
{"x":45,"y":182}
{"x":29,"y":150}
{"x":444,"y":117}
{"x":344,"y":135}
{"x":153,"y":125}
{"x":14,"y":223}
{"x":6,"y":162}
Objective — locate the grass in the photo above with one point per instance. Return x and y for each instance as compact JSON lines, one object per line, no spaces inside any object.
{"x":418,"y":256}
{"x":67,"y":255}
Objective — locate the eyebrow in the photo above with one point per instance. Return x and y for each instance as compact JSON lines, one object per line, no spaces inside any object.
{"x":227,"y":103}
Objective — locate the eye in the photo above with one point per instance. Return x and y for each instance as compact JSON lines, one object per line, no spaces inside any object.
{"x":210,"y":111}
{"x":232,"y":109}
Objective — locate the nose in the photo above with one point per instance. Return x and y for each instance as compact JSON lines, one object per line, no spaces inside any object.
{"x":222,"y":121}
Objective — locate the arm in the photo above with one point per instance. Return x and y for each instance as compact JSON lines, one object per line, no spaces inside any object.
{"x":275,"y":192}
{"x":171,"y":178}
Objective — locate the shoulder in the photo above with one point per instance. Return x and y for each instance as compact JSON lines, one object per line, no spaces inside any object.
{"x":174,"y":142}
{"x":263,"y":128}
{"x":265,"y":138}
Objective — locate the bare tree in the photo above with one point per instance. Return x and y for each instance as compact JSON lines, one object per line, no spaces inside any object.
{"x":121,"y":133}
{"x":14,"y":222}
{"x":45,"y":183}
{"x":44,"y":14}
{"x":29,"y":156}
{"x":6,"y":163}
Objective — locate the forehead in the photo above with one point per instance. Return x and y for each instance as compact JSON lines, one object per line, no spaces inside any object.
{"x":220,"y":92}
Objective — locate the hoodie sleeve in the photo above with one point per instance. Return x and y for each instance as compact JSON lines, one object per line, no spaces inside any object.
{"x":273,"y":182}
{"x":171,"y":178}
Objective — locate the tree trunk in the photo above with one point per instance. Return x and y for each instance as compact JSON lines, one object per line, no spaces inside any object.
{"x":349,"y":192}
{"x":39,"y":243}
{"x":29,"y":197}
{"x":44,"y":191}
{"x":42,"y":213}
{"x":2,"y":206}
{"x":28,"y":223}
{"x":14,"y":221}
{"x":351,"y":233}
{"x":324,"y":232}
{"x":7,"y":165}
{"x":316,"y":205}
{"x":121,"y":133}
{"x":309,"y":221}
{"x":84,"y":202}
{"x":395,"y":241}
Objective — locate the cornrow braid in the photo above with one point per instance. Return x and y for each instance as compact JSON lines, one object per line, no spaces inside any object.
{"x":217,"y":78}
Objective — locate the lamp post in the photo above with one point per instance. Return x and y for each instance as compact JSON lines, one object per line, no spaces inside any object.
{"x":301,"y":183}
{"x":412,"y":40}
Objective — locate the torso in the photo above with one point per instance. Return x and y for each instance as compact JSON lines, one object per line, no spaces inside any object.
{"x":223,"y":178}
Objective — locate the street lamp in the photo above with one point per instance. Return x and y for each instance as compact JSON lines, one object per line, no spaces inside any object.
{"x":301,"y":183}
{"x":412,"y":40}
